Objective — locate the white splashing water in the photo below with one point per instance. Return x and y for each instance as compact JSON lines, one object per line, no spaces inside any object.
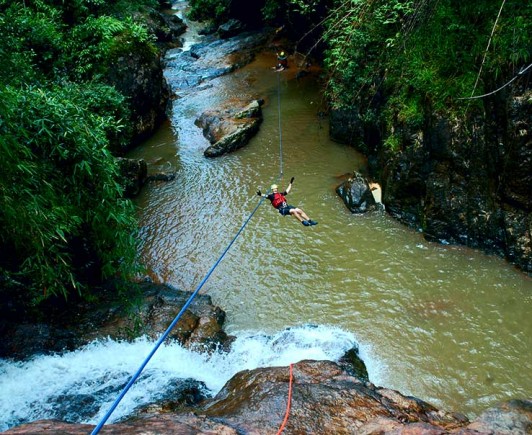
{"x":92,"y":378}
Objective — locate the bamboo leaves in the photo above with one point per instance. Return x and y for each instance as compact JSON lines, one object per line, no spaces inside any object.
{"x":60,"y":181}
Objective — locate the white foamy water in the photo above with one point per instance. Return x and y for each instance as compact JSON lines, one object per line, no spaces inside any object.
{"x":81,"y":386}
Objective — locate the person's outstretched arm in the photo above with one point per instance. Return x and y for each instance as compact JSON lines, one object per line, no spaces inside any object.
{"x":290,"y":185}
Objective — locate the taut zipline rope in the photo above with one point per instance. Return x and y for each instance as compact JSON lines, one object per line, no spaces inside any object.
{"x":280,"y":129}
{"x":172,"y":325}
{"x":193,"y":295}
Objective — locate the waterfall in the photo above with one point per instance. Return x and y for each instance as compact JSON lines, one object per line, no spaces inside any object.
{"x":80,"y":386}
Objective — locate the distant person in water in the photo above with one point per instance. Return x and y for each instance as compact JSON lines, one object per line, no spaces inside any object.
{"x":278,"y":201}
{"x":282,"y":61}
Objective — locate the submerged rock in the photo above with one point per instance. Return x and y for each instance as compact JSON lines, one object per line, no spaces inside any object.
{"x":134,"y":173}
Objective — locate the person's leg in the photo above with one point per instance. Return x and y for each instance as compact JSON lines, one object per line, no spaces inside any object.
{"x":303,"y":214}
{"x":303,"y":217}
{"x":295,"y":212}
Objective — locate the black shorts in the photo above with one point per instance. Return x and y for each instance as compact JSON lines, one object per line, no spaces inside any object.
{"x":285,"y":211}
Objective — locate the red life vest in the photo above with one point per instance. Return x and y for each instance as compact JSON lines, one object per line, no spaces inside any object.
{"x":278,"y":200}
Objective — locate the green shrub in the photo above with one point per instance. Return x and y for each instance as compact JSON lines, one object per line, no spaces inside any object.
{"x":209,"y":10}
{"x":31,"y":42}
{"x":63,"y":218}
{"x":423,"y":56}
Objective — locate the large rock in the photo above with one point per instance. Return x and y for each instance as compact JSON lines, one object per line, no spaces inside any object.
{"x":324,"y":400}
{"x":72,"y":326}
{"x":138,"y":74}
{"x":230,"y":129}
{"x":479,"y":199}
{"x":230,"y":28}
{"x":356,"y":194}
{"x":199,"y":328}
{"x":166,"y":28}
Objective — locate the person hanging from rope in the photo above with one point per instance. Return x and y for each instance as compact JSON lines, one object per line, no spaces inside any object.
{"x":278,"y":201}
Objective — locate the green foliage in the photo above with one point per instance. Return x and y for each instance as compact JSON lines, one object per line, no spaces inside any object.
{"x":51,"y":40}
{"x":423,"y":55}
{"x":61,"y":209}
{"x":209,"y":10}
{"x":271,"y":9}
{"x":301,"y":14}
{"x":64,"y":222}
{"x":98,"y":42}
{"x":306,"y":7}
{"x":393,"y":143}
{"x":30,"y":41}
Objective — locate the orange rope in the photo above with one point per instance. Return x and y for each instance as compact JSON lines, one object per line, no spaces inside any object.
{"x":288,"y":403}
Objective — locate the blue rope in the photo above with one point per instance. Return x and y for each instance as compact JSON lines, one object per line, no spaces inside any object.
{"x":191,"y":298}
{"x":172,"y":325}
{"x":280,"y":131}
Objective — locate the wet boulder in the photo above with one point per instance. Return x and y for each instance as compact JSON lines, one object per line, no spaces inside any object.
{"x":230,"y":28}
{"x":167,"y":28}
{"x":356,"y":194}
{"x":178,"y":394}
{"x":199,"y":328}
{"x":134,"y":173}
{"x":138,"y":74}
{"x":230,"y":128}
{"x":25,"y":339}
{"x":70,"y":326}
{"x":353,"y":364}
{"x":325,"y":399}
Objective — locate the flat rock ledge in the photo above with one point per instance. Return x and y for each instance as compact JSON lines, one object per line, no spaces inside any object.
{"x":325,"y":400}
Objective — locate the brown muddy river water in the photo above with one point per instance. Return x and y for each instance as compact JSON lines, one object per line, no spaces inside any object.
{"x":447,"y":324}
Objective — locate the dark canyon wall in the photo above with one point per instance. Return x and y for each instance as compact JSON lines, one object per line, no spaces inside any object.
{"x":461,"y":181}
